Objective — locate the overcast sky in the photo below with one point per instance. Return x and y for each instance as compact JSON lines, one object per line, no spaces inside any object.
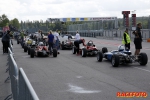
{"x":43,"y":9}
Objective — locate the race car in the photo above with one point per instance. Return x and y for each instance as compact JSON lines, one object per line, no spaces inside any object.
{"x":68,"y":44}
{"x":89,"y":50}
{"x":41,"y":50}
{"x":121,"y":56}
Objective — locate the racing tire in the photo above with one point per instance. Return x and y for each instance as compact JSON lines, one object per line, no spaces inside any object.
{"x":143,"y":59}
{"x":84,"y":52}
{"x":99,"y":56}
{"x":54,"y":53}
{"x":32,"y":53}
{"x":74,"y":50}
{"x":115,"y":60}
{"x":104,"y":50}
{"x":25,"y":48}
{"x":29,"y":51}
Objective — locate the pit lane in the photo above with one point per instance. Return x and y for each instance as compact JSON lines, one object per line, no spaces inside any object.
{"x":73,"y":77}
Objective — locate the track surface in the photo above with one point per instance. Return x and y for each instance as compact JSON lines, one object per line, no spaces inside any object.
{"x":71,"y":77}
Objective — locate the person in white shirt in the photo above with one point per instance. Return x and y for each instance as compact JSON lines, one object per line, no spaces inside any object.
{"x":77,"y":37}
{"x":39,"y":36}
{"x":56,"y":38}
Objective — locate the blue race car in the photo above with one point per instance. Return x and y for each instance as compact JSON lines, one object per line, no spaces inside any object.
{"x":121,"y":56}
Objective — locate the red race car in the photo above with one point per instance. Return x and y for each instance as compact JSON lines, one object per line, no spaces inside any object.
{"x":41,"y":50}
{"x":88,"y":50}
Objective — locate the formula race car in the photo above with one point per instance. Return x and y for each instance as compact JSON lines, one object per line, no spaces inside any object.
{"x":41,"y":50}
{"x":68,"y":44}
{"x":121,"y":56}
{"x":90,"y":50}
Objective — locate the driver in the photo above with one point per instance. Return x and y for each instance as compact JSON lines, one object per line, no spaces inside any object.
{"x":77,"y":43}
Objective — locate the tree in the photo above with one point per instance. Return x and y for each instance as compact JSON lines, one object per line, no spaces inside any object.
{"x":4,"y":20}
{"x":15,"y":23}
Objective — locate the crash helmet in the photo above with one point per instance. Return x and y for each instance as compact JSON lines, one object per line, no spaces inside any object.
{"x":121,"y":48}
{"x":41,"y":44}
{"x":90,"y":43}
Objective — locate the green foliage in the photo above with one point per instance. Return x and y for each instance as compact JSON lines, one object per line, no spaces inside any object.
{"x":15,"y":23}
{"x":4,"y":20}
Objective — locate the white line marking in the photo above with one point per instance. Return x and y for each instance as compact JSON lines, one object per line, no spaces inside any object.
{"x":79,"y":76}
{"x":142,"y":69}
{"x":77,"y":89}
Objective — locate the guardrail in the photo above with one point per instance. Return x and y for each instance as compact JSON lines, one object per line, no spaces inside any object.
{"x":111,"y":34}
{"x":26,"y":91}
{"x":21,"y":87}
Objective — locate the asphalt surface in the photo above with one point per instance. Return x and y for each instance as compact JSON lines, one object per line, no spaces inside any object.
{"x":71,"y":77}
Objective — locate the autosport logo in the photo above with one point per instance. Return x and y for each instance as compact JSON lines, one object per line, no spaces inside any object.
{"x":132,"y":94}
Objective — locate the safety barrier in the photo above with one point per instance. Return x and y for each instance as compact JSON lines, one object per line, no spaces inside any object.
{"x":21,"y":88}
{"x":110,"y":34}
{"x":26,"y":91}
{"x":10,"y":45}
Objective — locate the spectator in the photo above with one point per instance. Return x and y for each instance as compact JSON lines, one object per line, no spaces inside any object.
{"x":50,"y":41}
{"x":126,"y":40}
{"x":77,"y":37}
{"x":56,"y":38}
{"x":5,"y":41}
{"x":22,"y":37}
{"x":138,"y":39}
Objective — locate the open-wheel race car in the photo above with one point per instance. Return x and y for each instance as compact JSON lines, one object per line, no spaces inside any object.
{"x":30,"y":43}
{"x":41,"y":50}
{"x":121,"y":56}
{"x":68,"y":44}
{"x":89,"y":50}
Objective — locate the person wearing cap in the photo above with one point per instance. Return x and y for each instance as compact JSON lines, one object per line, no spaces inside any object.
{"x":126,"y":39}
{"x":77,"y":44}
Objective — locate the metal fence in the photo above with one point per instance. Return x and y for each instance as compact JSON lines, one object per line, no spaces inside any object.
{"x":111,"y":34}
{"x":21,"y":88}
{"x":26,"y":91}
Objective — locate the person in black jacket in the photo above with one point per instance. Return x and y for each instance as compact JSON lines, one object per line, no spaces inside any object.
{"x":5,"y":41}
{"x":77,"y":43}
{"x":138,"y":39}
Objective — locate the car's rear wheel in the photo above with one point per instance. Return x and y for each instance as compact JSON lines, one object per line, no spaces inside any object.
{"x":32,"y":53}
{"x":115,"y":61}
{"x":84,"y":52}
{"x":99,"y":56}
{"x":25,"y":48}
{"x":143,"y":59}
{"x":54,"y":52}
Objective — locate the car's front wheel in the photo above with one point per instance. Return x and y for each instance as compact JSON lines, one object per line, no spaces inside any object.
{"x":84,"y":52}
{"x":115,"y":61}
{"x":143,"y":59}
{"x":99,"y":56}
